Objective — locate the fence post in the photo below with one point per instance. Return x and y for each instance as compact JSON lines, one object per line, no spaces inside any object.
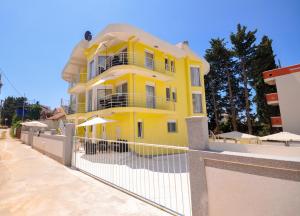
{"x":198,"y":140}
{"x":69,"y":132}
{"x":30,"y":136}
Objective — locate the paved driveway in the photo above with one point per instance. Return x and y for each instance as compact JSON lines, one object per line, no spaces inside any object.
{"x":33,"y":184}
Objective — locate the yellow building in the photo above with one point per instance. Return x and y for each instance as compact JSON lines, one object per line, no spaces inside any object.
{"x":145,"y":85}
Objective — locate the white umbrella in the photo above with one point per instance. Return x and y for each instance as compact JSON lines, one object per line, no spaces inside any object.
{"x":282,"y":136}
{"x":95,"y":121}
{"x":34,"y":124}
{"x":236,"y":135}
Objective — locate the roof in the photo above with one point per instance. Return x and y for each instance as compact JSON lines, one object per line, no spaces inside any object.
{"x":124,"y":32}
{"x":236,"y":135}
{"x":281,"y":71}
{"x":282,"y":136}
{"x":58,"y":114}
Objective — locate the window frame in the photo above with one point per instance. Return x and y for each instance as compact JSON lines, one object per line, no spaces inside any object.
{"x":193,"y":81}
{"x":140,"y":130}
{"x":200,"y":101}
{"x":168,"y":94}
{"x":169,"y":122}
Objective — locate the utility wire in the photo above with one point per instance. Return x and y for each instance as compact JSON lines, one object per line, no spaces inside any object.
{"x":12,"y":85}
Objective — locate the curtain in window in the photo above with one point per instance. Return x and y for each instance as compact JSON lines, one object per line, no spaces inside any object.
{"x":197,"y":103}
{"x":195,"y":76}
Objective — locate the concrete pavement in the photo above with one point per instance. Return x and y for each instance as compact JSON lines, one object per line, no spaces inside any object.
{"x":33,"y":184}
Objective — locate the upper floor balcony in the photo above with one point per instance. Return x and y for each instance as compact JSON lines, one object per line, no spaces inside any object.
{"x":276,"y":121}
{"x":145,"y":64}
{"x":78,"y":84}
{"x":272,"y":99}
{"x":72,"y":107}
{"x":131,"y":100}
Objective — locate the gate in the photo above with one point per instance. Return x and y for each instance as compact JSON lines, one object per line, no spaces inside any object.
{"x":155,"y":173}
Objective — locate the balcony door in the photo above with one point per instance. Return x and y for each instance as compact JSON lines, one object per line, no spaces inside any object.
{"x":101,"y":64}
{"x":150,"y":96}
{"x":149,"y":60}
{"x":103,"y":96}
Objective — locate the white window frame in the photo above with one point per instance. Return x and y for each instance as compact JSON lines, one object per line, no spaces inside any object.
{"x":201,"y":101}
{"x":147,"y":65}
{"x":191,"y":76}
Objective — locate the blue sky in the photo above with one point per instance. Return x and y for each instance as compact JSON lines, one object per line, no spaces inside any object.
{"x":37,"y":37}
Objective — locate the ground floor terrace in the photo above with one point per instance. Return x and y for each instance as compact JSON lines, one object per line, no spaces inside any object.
{"x":140,"y":127}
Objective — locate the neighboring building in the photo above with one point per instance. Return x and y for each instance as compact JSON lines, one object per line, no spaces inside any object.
{"x":146,"y":85}
{"x":287,"y":97}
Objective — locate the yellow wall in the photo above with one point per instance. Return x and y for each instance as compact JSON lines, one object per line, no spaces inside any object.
{"x":155,"y":124}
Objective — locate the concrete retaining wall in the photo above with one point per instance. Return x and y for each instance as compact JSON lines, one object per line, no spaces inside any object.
{"x":24,"y":136}
{"x":51,"y":145}
{"x":231,"y":179}
{"x":57,"y":147}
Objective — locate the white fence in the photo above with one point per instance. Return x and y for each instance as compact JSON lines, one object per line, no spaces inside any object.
{"x":156,"y":173}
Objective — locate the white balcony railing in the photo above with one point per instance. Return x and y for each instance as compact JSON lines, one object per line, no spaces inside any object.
{"x":127,"y":58}
{"x":133,"y":100}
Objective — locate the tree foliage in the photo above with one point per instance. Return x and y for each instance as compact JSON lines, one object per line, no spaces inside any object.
{"x":235,"y":85}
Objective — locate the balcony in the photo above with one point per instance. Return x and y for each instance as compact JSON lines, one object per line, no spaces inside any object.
{"x":73,"y":107}
{"x":272,"y":99}
{"x":129,"y":100}
{"x":150,"y":67}
{"x":276,"y":121}
{"x":78,"y":85}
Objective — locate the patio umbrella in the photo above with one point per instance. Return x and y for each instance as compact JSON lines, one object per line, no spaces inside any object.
{"x":236,"y":135}
{"x":282,"y":136}
{"x":95,"y":121}
{"x":34,"y":124}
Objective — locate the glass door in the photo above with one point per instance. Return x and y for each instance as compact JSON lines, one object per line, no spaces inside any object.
{"x":150,"y":96}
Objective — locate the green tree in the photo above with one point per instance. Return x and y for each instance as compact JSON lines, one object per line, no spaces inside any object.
{"x":264,"y":60}
{"x":9,"y":107}
{"x":243,"y":42}
{"x":35,"y":111}
{"x":221,"y":80}
{"x":213,"y":87}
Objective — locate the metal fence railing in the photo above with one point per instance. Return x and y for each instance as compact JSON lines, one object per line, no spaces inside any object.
{"x":137,"y":59}
{"x":156,"y":173}
{"x":133,"y":100}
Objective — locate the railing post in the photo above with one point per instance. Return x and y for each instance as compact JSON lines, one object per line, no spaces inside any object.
{"x":68,"y":145}
{"x":198,"y":140}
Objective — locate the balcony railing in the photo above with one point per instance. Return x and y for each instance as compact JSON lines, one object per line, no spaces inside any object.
{"x":72,"y":107}
{"x":127,"y":58}
{"x":133,"y":100}
{"x":272,"y":99}
{"x":80,"y":78}
{"x":276,"y":121}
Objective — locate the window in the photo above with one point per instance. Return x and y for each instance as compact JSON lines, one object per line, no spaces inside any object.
{"x":172,"y":66}
{"x":150,"y":96}
{"x":91,"y":69}
{"x":101,"y":64}
{"x":174,"y":95}
{"x":166,"y":64}
{"x":149,"y":63}
{"x":195,"y":76}
{"x":140,"y":129}
{"x":168,"y":94}
{"x":172,"y":127}
{"x":197,"y":102}
{"x":90,"y":99}
{"x":122,"y":88}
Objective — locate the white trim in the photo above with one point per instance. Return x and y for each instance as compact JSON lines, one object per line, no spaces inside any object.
{"x":196,"y":66}
{"x":196,"y":92}
{"x":104,"y":87}
{"x":172,"y":121}
{"x":150,"y":83}
{"x":121,"y":82}
{"x":149,"y":51}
